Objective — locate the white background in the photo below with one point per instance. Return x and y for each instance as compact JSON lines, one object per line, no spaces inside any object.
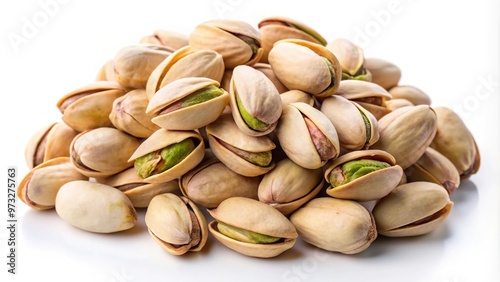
{"x":446,"y":48}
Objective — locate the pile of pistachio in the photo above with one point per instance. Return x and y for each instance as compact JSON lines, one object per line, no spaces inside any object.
{"x":276,"y":132}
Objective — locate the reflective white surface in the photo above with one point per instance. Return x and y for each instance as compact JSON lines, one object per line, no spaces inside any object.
{"x":448,"y":49}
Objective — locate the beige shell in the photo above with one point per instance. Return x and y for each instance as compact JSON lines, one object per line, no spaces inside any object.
{"x":95,"y":207}
{"x":255,"y":216}
{"x":102,"y":151}
{"x":39,"y":187}
{"x":163,"y":138}
{"x":289,"y":186}
{"x":411,"y":93}
{"x":350,"y":56}
{"x":185,"y":62}
{"x":225,"y":129}
{"x":267,"y":70}
{"x":397,"y":103}
{"x":168,"y":38}
{"x":170,"y":221}
{"x":335,"y":225}
{"x":383,"y":73}
{"x":221,"y":36}
{"x":189,"y":118}
{"x":49,"y":142}
{"x":88,"y":107}
{"x":106,"y":72}
{"x":300,"y":65}
{"x":292,"y":96}
{"x":129,"y":114}
{"x":258,"y":96}
{"x":347,"y":118}
{"x":295,"y":139}
{"x":412,"y":209}
{"x":371,"y":186}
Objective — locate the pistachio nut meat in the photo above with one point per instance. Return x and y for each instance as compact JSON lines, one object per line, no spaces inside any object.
{"x":273,"y":29}
{"x":289,"y":186}
{"x":351,"y":58}
{"x":335,"y":225}
{"x":411,"y":93}
{"x":238,"y":42}
{"x":363,"y":175}
{"x":88,"y":107}
{"x":412,"y":209}
{"x":254,"y":100}
{"x":356,"y":127}
{"x":168,"y":38}
{"x":252,"y":228}
{"x":176,"y":224}
{"x":455,"y":141}
{"x":383,"y":72}
{"x":307,"y":136}
{"x":267,"y":70}
{"x":185,"y":62}
{"x":102,"y":151}
{"x":187,"y":103}
{"x":306,"y":66}
{"x":244,"y":154}
{"x":168,"y":154}
{"x":49,"y":142}
{"x":38,"y":188}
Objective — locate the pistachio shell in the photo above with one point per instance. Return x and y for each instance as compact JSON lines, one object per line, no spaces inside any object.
{"x":397,"y":103}
{"x":267,"y":70}
{"x":383,"y":73}
{"x":292,"y":96}
{"x":350,"y":57}
{"x":410,"y":93}
{"x":95,"y":207}
{"x":106,"y":73}
{"x":168,"y":38}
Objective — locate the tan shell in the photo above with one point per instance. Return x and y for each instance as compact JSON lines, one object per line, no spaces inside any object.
{"x":255,"y":216}
{"x":292,"y":96}
{"x":48,"y":143}
{"x":95,"y":207}
{"x":39,"y":187}
{"x":106,"y":72}
{"x":300,"y":64}
{"x":163,"y":138}
{"x":137,"y":190}
{"x":267,"y":70}
{"x":371,"y":186}
{"x":397,"y":103}
{"x":383,"y":73}
{"x":351,"y":57}
{"x":346,"y":117}
{"x":412,"y":209}
{"x":295,"y":139}
{"x":410,"y":93}
{"x":289,"y":186}
{"x":219,"y":35}
{"x":225,"y":129}
{"x":335,"y":225}
{"x":169,"y":222}
{"x":88,"y":107}
{"x":168,"y":38}
{"x":185,"y":62}
{"x":258,"y":96}
{"x":102,"y":151}
{"x":272,"y":31}
{"x":129,"y":114}
{"x":189,"y":118}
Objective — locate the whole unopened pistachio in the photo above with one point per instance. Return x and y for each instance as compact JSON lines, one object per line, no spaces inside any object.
{"x":168,"y":38}
{"x":351,"y":58}
{"x":384,"y":73}
{"x":410,"y":93}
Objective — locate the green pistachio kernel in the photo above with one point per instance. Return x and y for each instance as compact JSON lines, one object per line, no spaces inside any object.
{"x":368,"y":127}
{"x":197,"y":97}
{"x":361,"y":74}
{"x":332,"y":72}
{"x":243,"y":235}
{"x":262,"y":159}
{"x":349,"y":171}
{"x":254,"y":44}
{"x":252,"y":122}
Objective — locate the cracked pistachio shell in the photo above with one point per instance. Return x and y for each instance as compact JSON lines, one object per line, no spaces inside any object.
{"x":39,"y":187}
{"x":289,"y":186}
{"x":129,"y":114}
{"x":224,"y":129}
{"x":411,"y":209}
{"x":351,"y":58}
{"x":231,"y":39}
{"x":454,"y":140}
{"x":176,"y":224}
{"x":88,"y":107}
{"x":134,"y":64}
{"x":191,"y":117}
{"x":295,"y":137}
{"x":356,"y":127}
{"x":211,"y":182}
{"x":434,"y":167}
{"x":367,"y":94}
{"x":292,"y":96}
{"x":168,"y":38}
{"x":302,"y":65}
{"x":95,"y":207}
{"x":267,"y":70}
{"x":371,"y":186}
{"x":102,"y":151}
{"x":49,"y":142}
{"x":335,"y":225}
{"x":410,"y":93}
{"x":185,"y":62}
{"x":383,"y":73}
{"x":252,"y":215}
{"x":163,"y":138}
{"x":273,"y":29}
{"x":259,"y":98}
{"x":406,"y":133}
{"x":139,"y":192}
{"x":397,"y":103}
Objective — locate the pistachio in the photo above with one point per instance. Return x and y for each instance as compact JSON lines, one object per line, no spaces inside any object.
{"x":245,"y":235}
{"x":410,"y":93}
{"x":168,"y":38}
{"x":397,"y":103}
{"x":353,"y":170}
{"x":292,"y":96}
{"x":106,"y":72}
{"x":351,"y":58}
{"x":383,"y":73}
{"x":267,"y":70}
